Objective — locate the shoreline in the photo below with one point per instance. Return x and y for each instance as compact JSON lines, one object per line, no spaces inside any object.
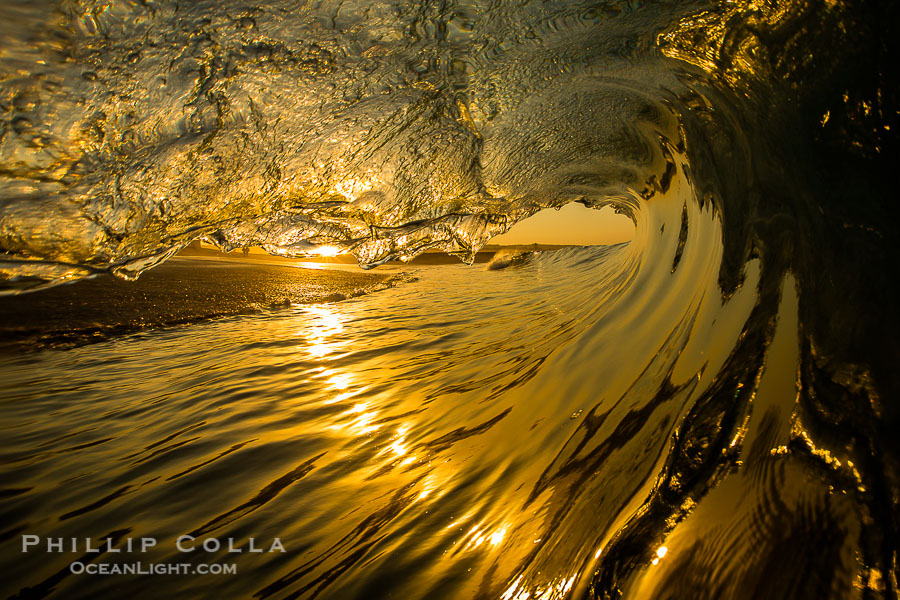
{"x":181,"y":291}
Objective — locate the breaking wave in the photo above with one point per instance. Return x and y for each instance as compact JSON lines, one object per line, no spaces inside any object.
{"x":749,"y":142}
{"x":509,"y":258}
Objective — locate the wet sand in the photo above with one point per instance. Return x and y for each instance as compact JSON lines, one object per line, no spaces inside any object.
{"x":183,"y":290}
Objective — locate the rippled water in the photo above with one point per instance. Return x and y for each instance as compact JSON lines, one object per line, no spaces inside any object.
{"x":395,"y":443}
{"x":708,"y":411}
{"x":474,"y":432}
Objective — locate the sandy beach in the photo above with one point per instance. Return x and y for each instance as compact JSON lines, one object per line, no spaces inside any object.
{"x":183,"y":290}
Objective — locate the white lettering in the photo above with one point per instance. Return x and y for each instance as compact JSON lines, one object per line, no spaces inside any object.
{"x":30,"y":540}
{"x":183,"y":539}
{"x":215,"y":544}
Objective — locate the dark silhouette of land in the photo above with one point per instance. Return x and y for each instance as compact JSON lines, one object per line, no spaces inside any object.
{"x":183,"y":290}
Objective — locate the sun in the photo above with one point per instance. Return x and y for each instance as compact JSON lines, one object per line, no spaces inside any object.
{"x":326,"y":251}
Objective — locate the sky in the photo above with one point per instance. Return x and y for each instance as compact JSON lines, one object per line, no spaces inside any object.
{"x":573,"y":224}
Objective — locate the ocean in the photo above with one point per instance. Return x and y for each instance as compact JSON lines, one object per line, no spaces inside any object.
{"x":396,"y":442}
{"x":706,"y":411}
